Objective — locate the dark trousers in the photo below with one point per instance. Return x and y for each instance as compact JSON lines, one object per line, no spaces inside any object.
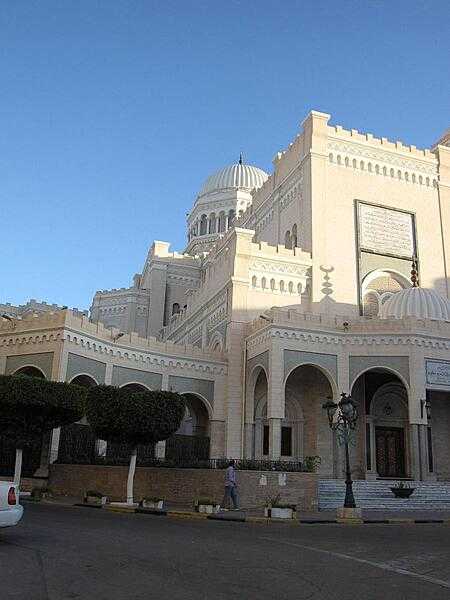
{"x":230,"y":494}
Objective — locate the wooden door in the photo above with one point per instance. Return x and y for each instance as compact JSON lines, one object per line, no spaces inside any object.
{"x":390,"y":443}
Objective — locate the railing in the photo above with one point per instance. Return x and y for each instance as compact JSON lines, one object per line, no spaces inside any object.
{"x":78,"y":445}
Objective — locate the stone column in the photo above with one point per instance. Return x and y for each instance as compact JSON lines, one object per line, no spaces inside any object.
{"x":235,"y":415}
{"x":372,"y":472}
{"x":51,"y":453}
{"x":160,"y":448}
{"x":424,"y":454}
{"x":275,"y":400}
{"x":217,"y":439}
{"x":258,"y":439}
{"x":249,"y":433}
{"x":108,"y":373}
{"x":415,"y":458}
{"x":274,"y":439}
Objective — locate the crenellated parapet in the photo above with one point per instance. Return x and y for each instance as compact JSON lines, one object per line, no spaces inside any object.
{"x":78,"y":329}
{"x":292,"y":325}
{"x":33,"y":306}
{"x":380,"y":156}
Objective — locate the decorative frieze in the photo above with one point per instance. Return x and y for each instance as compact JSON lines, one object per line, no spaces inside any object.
{"x":381,"y":162}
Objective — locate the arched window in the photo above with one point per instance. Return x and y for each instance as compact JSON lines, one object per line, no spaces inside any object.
{"x":203,"y":225}
{"x":294,"y":235}
{"x":272,"y":284}
{"x":291,"y":287}
{"x":263,"y":283}
{"x":254,"y":280}
{"x":231,"y":217}
{"x":281,"y":286}
{"x":222,"y":223}
{"x":287,"y":240}
{"x":175,"y":308}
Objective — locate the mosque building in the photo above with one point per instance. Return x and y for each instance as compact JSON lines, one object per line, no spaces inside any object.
{"x":329,"y":275}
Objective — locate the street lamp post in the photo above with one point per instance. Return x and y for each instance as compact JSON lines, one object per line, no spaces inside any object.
{"x":342,"y":417}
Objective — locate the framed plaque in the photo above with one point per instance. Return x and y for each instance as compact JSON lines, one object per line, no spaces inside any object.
{"x":438,"y":372}
{"x":386,"y":231}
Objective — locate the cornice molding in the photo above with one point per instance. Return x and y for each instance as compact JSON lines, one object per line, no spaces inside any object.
{"x":381,"y":339}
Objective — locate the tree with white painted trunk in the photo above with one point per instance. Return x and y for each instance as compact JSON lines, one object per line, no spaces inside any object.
{"x":122,"y":416}
{"x":30,"y":406}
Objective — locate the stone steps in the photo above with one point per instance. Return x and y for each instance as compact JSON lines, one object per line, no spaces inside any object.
{"x":376,"y":495}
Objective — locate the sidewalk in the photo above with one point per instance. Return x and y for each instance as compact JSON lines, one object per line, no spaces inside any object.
{"x":255,"y":515}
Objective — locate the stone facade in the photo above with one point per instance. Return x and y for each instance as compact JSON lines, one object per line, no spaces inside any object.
{"x":184,"y":486}
{"x":279,"y":305}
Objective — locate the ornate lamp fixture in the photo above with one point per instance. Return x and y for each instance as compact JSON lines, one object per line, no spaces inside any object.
{"x":343,"y":417}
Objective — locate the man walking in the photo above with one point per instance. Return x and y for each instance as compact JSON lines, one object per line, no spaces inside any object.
{"x":230,"y":487}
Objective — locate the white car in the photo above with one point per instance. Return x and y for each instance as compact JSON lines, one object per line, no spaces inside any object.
{"x":10,"y":510}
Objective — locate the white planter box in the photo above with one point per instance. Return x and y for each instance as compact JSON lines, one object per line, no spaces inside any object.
{"x":96,"y":500}
{"x":208,"y":508}
{"x":282,"y":513}
{"x":153,"y":504}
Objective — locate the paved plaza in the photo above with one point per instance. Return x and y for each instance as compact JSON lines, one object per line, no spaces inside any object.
{"x":60,"y":553}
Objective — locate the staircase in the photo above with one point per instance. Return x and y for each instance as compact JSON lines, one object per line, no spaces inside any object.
{"x":377,"y":495}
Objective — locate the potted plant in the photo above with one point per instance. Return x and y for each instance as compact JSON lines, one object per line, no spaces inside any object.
{"x":39,"y":493}
{"x":154,"y":502}
{"x":276,"y":509}
{"x":94,"y":497}
{"x":402,"y":489}
{"x":206,"y":505}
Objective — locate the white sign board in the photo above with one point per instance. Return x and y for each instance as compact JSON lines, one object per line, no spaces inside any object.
{"x":386,"y":231}
{"x":438,"y":373}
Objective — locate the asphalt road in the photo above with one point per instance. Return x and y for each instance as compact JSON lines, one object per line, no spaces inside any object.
{"x":60,"y":553}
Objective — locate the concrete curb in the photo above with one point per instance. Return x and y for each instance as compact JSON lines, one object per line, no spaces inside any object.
{"x":195,"y":516}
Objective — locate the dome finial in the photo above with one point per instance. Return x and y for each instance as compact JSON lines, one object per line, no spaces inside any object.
{"x":414,"y":278}
{"x":241,"y":158}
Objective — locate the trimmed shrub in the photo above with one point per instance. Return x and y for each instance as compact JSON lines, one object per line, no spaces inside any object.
{"x":30,"y":406}
{"x":116,"y":415}
{"x":120,"y":416}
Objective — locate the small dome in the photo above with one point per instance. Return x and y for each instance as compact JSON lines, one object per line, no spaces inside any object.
{"x":235,"y":176}
{"x":416,"y":302}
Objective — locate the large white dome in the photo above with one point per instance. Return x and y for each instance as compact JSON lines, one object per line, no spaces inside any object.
{"x":235,"y":176}
{"x":416,"y":302}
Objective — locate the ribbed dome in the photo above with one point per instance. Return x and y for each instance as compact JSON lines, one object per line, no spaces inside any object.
{"x":235,"y":176}
{"x":416,"y":302}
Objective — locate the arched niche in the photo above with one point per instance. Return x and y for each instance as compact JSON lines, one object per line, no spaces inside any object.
{"x":134,"y":387}
{"x":30,"y":371}
{"x":191,"y":443}
{"x":378,"y":286}
{"x":383,"y":437}
{"x":83,"y":380}
{"x":306,"y":388}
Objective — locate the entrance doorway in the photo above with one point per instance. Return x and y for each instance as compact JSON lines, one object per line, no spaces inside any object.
{"x":390,"y":443}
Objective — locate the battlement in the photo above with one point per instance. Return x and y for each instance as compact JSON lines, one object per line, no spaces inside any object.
{"x":220,"y":265}
{"x":76,"y":322}
{"x":161,"y":250}
{"x":265,"y":250}
{"x":291,"y":317}
{"x":113,"y":291}
{"x":259,"y":195}
{"x":33,"y":305}
{"x":409,"y":150}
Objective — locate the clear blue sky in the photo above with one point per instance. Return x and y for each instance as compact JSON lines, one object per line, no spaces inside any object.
{"x":112,"y":113}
